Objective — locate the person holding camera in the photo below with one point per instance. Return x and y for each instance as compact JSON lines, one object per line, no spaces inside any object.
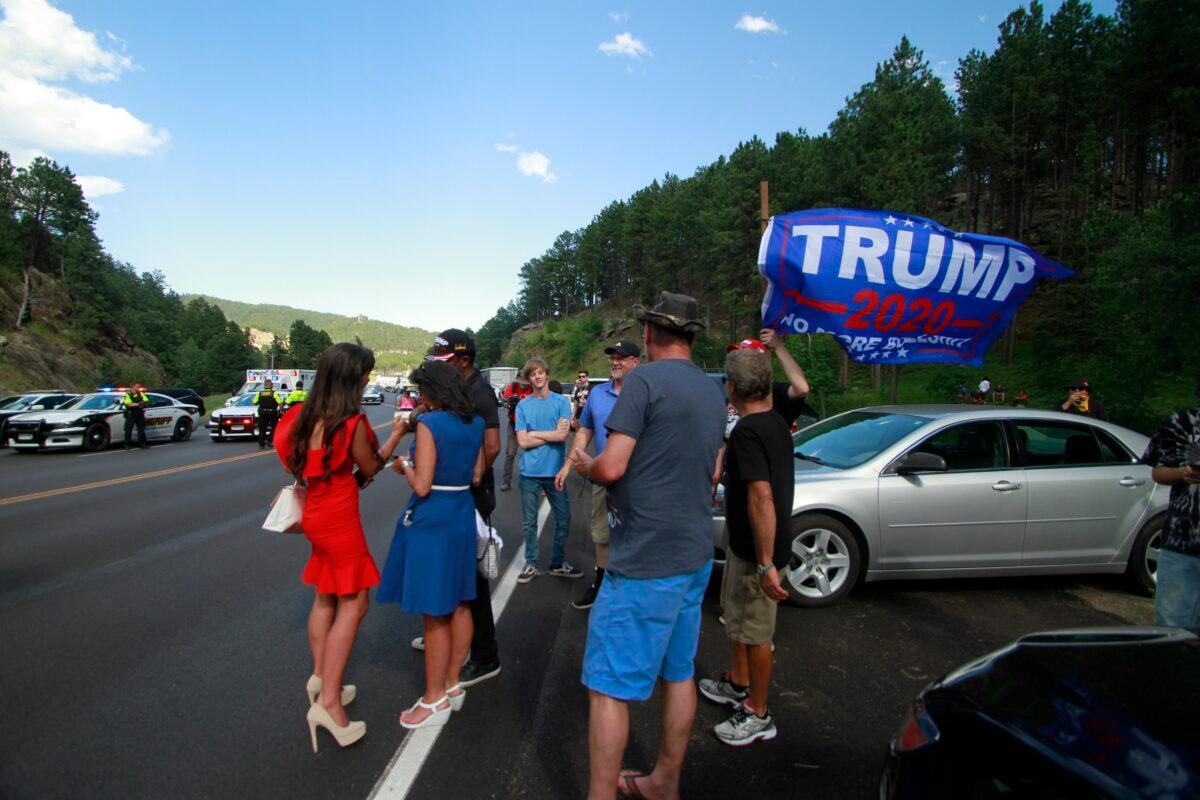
{"x":514,"y":393}
{"x":430,"y":568}
{"x":1080,"y":401}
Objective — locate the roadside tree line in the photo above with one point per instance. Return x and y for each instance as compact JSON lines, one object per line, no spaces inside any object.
{"x":1077,"y":134}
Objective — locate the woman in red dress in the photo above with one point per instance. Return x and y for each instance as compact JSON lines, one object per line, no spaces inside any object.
{"x":320,"y":443}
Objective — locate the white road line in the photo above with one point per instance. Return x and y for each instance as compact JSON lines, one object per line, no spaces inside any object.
{"x":402,"y":771}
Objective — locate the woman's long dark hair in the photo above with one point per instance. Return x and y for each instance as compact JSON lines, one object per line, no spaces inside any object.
{"x":444,"y":385}
{"x":335,"y":397}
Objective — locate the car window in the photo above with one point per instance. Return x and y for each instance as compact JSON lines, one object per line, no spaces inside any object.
{"x":850,"y":439}
{"x":160,"y":401}
{"x":972,"y":446}
{"x":97,"y":402}
{"x":1060,"y":444}
{"x":1113,"y":451}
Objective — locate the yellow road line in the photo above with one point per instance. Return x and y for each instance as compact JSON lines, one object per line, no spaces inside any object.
{"x":25,"y":498}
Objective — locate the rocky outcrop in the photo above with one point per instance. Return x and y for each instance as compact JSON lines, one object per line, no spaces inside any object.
{"x":49,"y":353}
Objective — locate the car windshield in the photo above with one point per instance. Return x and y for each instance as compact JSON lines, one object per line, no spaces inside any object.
{"x":25,"y":401}
{"x":244,"y":400}
{"x":848,"y":440}
{"x":94,"y":402}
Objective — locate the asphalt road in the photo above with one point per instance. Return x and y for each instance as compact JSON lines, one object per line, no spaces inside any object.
{"x":153,"y":642}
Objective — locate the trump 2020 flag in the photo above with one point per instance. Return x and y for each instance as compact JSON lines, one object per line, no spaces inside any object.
{"x":894,"y":288}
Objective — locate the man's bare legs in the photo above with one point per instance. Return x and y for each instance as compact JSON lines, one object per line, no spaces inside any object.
{"x":752,"y":667}
{"x":608,"y":733}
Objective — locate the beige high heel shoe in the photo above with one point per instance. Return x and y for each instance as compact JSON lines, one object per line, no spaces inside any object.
{"x":345,"y":736}
{"x":349,"y":691}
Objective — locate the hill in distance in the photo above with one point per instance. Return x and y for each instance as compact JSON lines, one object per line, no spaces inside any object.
{"x":395,"y":346}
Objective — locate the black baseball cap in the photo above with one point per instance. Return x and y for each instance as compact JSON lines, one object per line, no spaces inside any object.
{"x":624,"y":348}
{"x":450,"y":343}
{"x":1079,"y":384}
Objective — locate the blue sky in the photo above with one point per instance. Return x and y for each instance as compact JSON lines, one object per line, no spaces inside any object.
{"x":403,"y":161}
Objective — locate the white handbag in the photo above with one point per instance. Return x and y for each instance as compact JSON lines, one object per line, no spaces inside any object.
{"x":287,"y":510}
{"x":487,"y":549}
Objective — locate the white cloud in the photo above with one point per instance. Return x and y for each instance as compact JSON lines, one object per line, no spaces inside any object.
{"x":40,"y":46}
{"x":624,"y":44}
{"x":536,"y":164}
{"x":982,"y":19}
{"x":618,"y":16}
{"x":98,"y":185}
{"x":34,"y":115}
{"x":39,"y":41}
{"x":757,"y":25}
{"x":507,"y":148}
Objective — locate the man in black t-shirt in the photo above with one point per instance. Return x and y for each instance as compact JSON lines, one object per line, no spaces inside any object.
{"x":787,"y":398}
{"x":758,"y":504}
{"x":457,"y":348}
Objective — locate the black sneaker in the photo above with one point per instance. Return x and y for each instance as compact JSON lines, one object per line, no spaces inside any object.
{"x":473,"y":672}
{"x":589,"y":597}
{"x":565,"y":570}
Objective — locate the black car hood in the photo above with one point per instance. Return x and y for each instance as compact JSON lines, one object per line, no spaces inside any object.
{"x":1123,"y":701}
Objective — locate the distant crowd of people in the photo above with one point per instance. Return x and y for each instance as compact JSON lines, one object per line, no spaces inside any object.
{"x":653,"y":443}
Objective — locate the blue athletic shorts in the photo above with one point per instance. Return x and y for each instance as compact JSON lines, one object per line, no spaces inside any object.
{"x":641,"y":630}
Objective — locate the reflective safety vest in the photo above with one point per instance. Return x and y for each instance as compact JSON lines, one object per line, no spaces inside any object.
{"x":132,"y":399}
{"x":297,"y":396}
{"x":267,"y":399}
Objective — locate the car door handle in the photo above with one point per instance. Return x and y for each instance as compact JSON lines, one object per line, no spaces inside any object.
{"x":1128,"y":481}
{"x":1006,"y":486}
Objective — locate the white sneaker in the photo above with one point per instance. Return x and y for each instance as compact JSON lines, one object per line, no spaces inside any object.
{"x":528,"y":573}
{"x":419,"y":643}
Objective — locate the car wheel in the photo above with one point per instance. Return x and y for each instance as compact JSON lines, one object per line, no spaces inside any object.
{"x":183,"y":430}
{"x":825,"y":561}
{"x":1143,"y":558}
{"x":96,"y":437}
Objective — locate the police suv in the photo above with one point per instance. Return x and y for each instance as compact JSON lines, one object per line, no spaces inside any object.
{"x":94,"y":421}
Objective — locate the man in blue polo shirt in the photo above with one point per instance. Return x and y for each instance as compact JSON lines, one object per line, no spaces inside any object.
{"x":543,"y":422}
{"x":622,"y":357}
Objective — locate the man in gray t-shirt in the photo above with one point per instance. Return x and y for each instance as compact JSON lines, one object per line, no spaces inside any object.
{"x":662,"y":506}
{"x":664,"y":443}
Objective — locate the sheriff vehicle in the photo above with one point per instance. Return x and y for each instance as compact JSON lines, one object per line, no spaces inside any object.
{"x":239,"y":418}
{"x":94,"y":421}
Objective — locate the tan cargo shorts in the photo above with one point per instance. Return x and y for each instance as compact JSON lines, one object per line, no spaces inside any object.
{"x":600,"y":531}
{"x":749,"y":613}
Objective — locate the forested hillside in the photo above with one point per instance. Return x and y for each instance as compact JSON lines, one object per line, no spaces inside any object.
{"x":78,"y":316}
{"x":1077,"y":135}
{"x":394,"y":345}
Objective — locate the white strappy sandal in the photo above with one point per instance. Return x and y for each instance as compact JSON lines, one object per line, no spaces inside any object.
{"x":456,"y":700}
{"x":437,"y":716}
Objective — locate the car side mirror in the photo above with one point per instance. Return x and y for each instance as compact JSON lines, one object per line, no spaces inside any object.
{"x":917,"y":461}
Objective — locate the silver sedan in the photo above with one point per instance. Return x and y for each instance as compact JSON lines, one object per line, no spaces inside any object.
{"x":899,"y":492}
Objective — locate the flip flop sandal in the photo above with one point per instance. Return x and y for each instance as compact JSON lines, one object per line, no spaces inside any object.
{"x":627,"y":787}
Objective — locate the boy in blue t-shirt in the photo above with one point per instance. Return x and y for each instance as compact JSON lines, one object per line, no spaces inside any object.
{"x":542,"y":423}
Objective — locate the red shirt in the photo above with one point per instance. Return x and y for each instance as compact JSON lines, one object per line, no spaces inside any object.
{"x":518,"y":391}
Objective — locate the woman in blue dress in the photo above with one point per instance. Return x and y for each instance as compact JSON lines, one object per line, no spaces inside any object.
{"x":430,"y":567}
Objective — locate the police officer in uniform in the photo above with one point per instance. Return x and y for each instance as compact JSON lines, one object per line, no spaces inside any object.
{"x":298,"y":395}
{"x":268,"y":413}
{"x":135,"y":402}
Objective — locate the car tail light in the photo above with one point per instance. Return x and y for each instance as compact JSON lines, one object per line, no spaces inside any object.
{"x":247,"y":420}
{"x":917,"y":729}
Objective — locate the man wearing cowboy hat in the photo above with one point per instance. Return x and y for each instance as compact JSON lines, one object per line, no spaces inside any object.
{"x":660,"y":460}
